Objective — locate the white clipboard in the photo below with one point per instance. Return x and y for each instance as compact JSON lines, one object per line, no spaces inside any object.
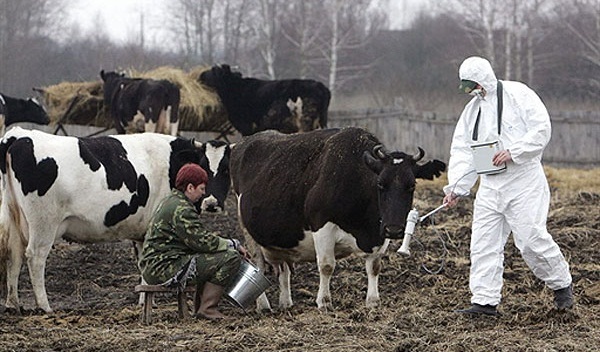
{"x":482,"y":158}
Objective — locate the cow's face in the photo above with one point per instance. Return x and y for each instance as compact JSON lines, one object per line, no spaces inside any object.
{"x":111,"y":86}
{"x":107,"y":76}
{"x":215,"y":160}
{"x":396,"y":180}
{"x":34,"y":112}
{"x":220,"y":78}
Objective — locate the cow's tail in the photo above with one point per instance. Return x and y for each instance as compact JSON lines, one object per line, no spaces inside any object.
{"x":3,"y":256}
{"x":10,"y":219}
{"x":4,"y":228}
{"x":4,"y":219}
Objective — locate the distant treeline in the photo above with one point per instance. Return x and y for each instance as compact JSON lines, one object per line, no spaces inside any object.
{"x":549,"y":45}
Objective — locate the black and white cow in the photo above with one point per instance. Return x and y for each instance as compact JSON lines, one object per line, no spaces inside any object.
{"x":13,"y":110}
{"x":87,"y":190}
{"x":147,"y":104}
{"x":289,"y":106}
{"x":323,"y":195}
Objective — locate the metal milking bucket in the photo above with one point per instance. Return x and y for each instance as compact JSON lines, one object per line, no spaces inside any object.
{"x":248,"y":284}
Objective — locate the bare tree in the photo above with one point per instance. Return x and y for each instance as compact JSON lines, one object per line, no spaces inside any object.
{"x":235,"y":29}
{"x":350,"y":31}
{"x":522,"y":34}
{"x":209,"y":31}
{"x":587,"y":31}
{"x":267,"y":28}
{"x":304,"y":30}
{"x":24,"y":25}
{"x":194,"y":23}
{"x":480,"y":19}
{"x":583,"y":21}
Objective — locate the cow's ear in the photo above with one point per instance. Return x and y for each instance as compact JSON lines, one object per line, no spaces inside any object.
{"x":429,"y":170}
{"x":102,"y":74}
{"x":372,"y":162}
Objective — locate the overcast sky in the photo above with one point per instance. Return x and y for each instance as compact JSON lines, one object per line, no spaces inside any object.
{"x":120,"y":19}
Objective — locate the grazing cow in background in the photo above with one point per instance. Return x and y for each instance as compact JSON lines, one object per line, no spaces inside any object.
{"x":289,"y":106}
{"x":13,"y":110}
{"x":320,"y":196}
{"x":86,"y":190}
{"x":149,"y":105}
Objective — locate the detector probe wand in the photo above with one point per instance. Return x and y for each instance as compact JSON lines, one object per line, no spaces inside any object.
{"x":411,"y":221}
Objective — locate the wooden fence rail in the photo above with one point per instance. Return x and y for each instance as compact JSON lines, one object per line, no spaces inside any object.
{"x":575,"y":140}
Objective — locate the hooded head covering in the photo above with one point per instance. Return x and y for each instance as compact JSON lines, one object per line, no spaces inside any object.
{"x":478,"y":69}
{"x":190,"y":173}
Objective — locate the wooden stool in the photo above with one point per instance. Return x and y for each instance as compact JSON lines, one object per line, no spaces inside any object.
{"x":182,"y":306}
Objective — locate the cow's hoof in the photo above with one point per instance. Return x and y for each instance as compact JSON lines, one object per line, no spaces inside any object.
{"x":325,"y":307}
{"x":372,"y":303}
{"x":286,"y":305}
{"x":41,"y":311}
{"x":13,"y":310}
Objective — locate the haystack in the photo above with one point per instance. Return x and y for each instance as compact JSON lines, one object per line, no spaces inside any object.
{"x":200,"y":109}
{"x":79,"y":103}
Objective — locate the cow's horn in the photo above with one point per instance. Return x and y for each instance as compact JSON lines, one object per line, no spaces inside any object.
{"x":379,"y":151}
{"x":420,"y":154}
{"x":197,"y":144}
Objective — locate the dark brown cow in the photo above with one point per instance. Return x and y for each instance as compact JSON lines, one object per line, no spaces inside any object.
{"x":323,"y":195}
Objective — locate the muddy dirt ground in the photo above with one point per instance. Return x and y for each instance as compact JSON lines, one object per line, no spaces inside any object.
{"x":90,"y":288}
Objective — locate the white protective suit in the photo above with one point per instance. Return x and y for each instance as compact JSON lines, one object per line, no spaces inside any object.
{"x":516,"y":200}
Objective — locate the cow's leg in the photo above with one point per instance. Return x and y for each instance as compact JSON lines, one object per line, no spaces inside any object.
{"x":174,"y":128}
{"x":139,"y":124}
{"x":324,"y":240}
{"x":36,"y":254}
{"x":158,"y":121}
{"x":173,"y":122}
{"x":16,"y":250}
{"x":285,"y":289}
{"x":373,"y":266}
{"x":262,"y":302}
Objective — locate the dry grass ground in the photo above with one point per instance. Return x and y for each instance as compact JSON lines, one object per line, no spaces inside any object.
{"x":91,"y":290}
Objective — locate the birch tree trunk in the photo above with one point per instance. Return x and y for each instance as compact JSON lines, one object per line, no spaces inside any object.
{"x":267,"y":29}
{"x":334,"y":47}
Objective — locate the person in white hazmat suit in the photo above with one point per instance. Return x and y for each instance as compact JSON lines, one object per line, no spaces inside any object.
{"x":514,"y":196}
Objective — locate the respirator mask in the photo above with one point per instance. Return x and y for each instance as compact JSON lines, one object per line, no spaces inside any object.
{"x":477,"y":93}
{"x":471,"y":88}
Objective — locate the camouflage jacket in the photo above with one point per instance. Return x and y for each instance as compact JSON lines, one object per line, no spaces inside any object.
{"x":174,"y":235}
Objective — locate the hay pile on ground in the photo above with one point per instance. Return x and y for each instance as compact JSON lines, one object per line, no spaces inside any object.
{"x":199,"y":110}
{"x":91,"y":289}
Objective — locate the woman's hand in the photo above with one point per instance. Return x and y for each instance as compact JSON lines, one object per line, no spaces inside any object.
{"x":451,"y":199}
{"x":242,"y":250}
